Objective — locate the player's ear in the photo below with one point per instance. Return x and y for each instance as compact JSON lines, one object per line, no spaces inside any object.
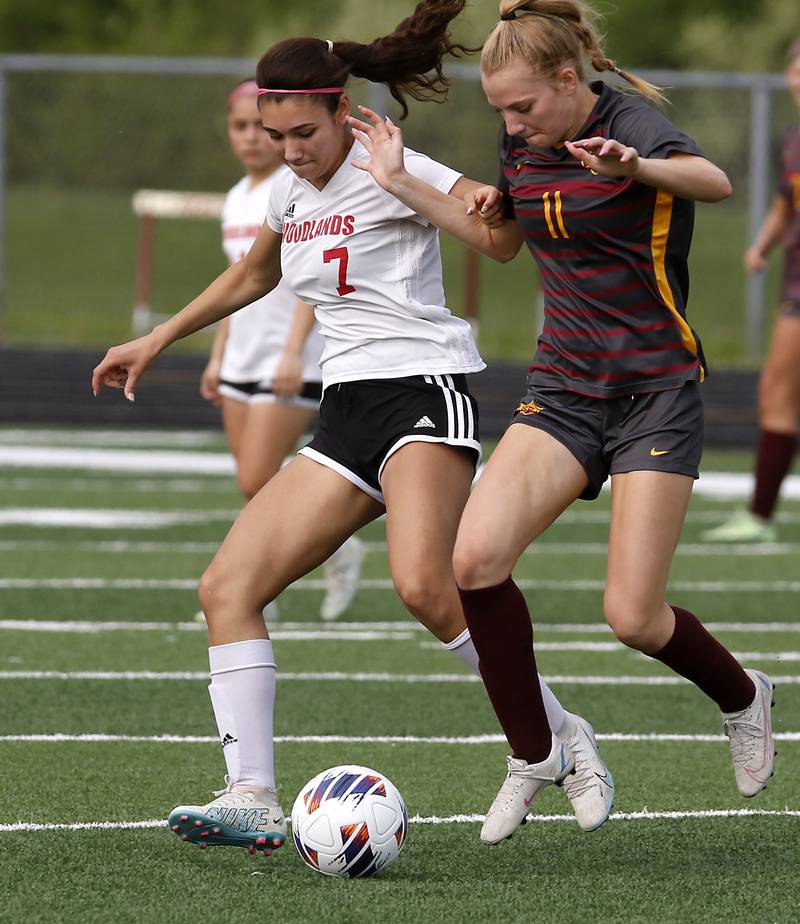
{"x":568,"y":80}
{"x":342,"y":109}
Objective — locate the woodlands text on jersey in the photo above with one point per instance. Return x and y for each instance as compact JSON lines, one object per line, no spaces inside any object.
{"x":612,"y":255}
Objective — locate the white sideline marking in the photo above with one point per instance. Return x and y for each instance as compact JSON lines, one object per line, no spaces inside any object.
{"x":763,"y":550}
{"x":711,"y":484}
{"x":651,"y":737}
{"x":95,"y":583}
{"x":135,"y":485}
{"x":279,"y":634}
{"x":340,"y":628}
{"x":94,"y":518}
{"x":46,"y":516}
{"x":615,"y":647}
{"x":422,"y":820}
{"x":109,"y":436}
{"x":337,"y":676}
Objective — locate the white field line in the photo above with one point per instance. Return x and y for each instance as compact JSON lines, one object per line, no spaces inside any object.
{"x":123,"y":546}
{"x":96,"y":583}
{"x":378,"y":677}
{"x":134,"y":485}
{"x":649,"y":738}
{"x":341,"y":629}
{"x":723,"y":485}
{"x":113,"y":517}
{"x":422,"y":820}
{"x":95,"y":518}
{"x":108,"y":436}
{"x":279,"y":633}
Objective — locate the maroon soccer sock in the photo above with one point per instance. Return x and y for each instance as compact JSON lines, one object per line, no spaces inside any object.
{"x":773,"y":461}
{"x":500,"y":626}
{"x":696,"y":655}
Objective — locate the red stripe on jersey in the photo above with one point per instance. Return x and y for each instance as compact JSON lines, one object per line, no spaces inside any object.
{"x":615,"y":376}
{"x":597,"y":294}
{"x":613,"y":354}
{"x":595,"y":271}
{"x":560,"y":332}
{"x":625,"y":312}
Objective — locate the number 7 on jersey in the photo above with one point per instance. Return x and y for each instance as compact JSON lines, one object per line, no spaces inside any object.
{"x":340,"y":254}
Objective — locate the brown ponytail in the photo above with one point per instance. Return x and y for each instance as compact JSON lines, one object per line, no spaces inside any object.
{"x":409,"y":61}
{"x":547,"y":34}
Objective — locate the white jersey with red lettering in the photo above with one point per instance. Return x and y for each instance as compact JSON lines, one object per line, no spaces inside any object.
{"x":372,"y":268}
{"x":258,"y":332}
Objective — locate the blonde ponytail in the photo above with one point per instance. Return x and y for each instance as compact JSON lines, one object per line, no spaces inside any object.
{"x":547,"y":34}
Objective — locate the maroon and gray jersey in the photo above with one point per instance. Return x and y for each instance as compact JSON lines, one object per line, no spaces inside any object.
{"x":790,"y":190}
{"x":612,"y":255}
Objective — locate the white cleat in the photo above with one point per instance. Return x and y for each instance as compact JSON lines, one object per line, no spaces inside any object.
{"x":522,"y":785}
{"x":750,"y":734}
{"x":239,"y":817}
{"x":590,"y":788}
{"x":270,"y":613}
{"x":342,"y":574}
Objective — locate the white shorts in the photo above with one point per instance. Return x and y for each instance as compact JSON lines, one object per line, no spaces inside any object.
{"x":309,"y":396}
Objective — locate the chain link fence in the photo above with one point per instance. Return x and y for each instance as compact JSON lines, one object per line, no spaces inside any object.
{"x":79,"y":136}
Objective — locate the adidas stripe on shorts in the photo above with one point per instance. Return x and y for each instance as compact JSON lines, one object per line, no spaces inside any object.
{"x":361,"y":424}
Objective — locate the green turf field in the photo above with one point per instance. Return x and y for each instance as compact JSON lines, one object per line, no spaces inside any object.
{"x":100,"y":663}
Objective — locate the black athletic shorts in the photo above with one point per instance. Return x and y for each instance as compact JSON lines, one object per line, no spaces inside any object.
{"x":361,"y":424}
{"x":658,"y":431}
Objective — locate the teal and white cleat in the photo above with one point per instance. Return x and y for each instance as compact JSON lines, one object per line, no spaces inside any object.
{"x":743,"y":526}
{"x":590,"y":788}
{"x":750,"y":734}
{"x":522,"y":785}
{"x":237,"y":818}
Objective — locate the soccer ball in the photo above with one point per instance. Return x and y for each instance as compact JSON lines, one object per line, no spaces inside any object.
{"x":349,"y":821}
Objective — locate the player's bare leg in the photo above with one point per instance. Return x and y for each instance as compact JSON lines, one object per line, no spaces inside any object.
{"x":529,"y":480}
{"x":292,"y":525}
{"x":647,"y":513}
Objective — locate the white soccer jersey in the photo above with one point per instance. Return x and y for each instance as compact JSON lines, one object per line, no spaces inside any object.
{"x":258,"y":332}
{"x":372,"y":268}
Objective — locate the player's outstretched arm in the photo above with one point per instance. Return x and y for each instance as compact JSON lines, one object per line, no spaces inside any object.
{"x":470,"y":213}
{"x":687,"y":176}
{"x":242,"y":283}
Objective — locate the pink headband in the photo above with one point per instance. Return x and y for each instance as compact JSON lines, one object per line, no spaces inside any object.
{"x":262,"y":90}
{"x":248,"y":88}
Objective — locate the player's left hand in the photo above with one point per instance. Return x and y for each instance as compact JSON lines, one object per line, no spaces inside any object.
{"x":384,"y":141}
{"x":605,"y":156}
{"x":288,"y":378}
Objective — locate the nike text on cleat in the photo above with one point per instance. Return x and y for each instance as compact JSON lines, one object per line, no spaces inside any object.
{"x":750,"y":734}
{"x":522,"y":785}
{"x":239,"y":817}
{"x":424,"y":422}
{"x":590,"y":788}
{"x":743,"y":526}
{"x":342,"y":574}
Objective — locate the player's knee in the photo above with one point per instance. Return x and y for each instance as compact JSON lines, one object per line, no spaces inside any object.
{"x":475,"y":566}
{"x":216,"y":590}
{"x":628,"y":621}
{"x":420,"y":591}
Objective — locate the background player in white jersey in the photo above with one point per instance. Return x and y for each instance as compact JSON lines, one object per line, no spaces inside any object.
{"x":264,"y":364}
{"x":397,"y":429}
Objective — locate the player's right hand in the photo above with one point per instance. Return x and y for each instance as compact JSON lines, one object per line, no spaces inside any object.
{"x":754,"y":260}
{"x":209,"y":382}
{"x":123,"y":365}
{"x":487,"y":203}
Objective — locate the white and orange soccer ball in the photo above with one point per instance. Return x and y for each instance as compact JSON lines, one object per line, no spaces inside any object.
{"x":349,"y":821}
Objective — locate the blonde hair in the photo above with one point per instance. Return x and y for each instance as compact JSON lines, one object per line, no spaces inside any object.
{"x":548,"y":34}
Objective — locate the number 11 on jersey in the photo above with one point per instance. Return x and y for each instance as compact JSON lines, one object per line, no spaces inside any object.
{"x":340,"y":254}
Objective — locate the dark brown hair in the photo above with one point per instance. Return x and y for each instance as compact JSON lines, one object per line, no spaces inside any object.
{"x":409,"y":61}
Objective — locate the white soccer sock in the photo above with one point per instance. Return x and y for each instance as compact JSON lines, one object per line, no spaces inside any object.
{"x":463,"y":648}
{"x":242,"y":693}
